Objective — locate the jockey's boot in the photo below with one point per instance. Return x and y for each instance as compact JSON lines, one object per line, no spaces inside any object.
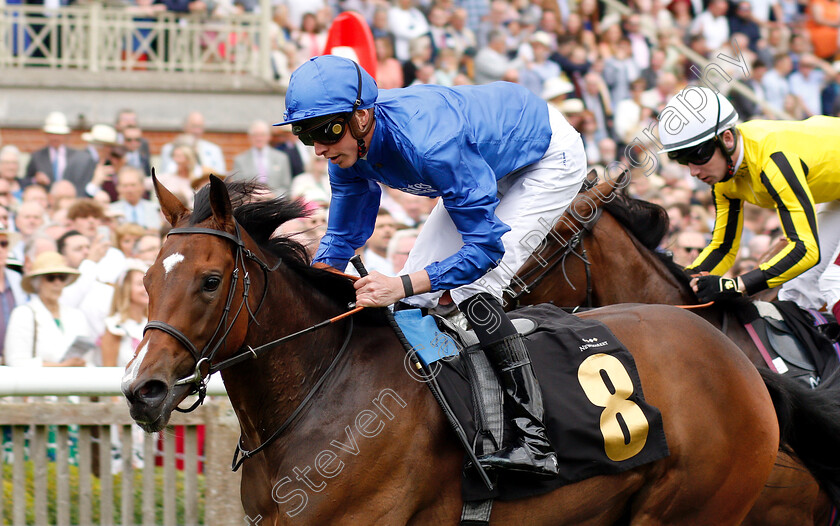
{"x":528,"y":450}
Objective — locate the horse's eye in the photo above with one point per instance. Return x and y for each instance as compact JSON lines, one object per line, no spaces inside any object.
{"x":211,"y":283}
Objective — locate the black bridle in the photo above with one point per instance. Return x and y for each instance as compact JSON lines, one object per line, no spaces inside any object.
{"x":199,"y":380}
{"x":558,"y":257}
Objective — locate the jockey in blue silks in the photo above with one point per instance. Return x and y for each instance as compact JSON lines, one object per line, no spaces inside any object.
{"x":505,"y":166}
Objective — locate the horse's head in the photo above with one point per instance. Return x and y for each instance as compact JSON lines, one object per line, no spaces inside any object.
{"x":198,"y":308}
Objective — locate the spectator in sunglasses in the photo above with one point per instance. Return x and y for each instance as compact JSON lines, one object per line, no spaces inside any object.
{"x":788,"y":166}
{"x":136,"y":149}
{"x":688,"y":246}
{"x":41,"y":332}
{"x":468,"y":145}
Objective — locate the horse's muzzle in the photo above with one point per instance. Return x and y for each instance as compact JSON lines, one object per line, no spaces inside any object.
{"x":147,"y":404}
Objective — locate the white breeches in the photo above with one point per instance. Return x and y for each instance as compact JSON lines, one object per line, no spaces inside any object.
{"x":821,"y":283}
{"x":529,"y":199}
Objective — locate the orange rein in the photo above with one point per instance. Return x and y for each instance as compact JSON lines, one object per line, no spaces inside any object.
{"x":702,"y":305}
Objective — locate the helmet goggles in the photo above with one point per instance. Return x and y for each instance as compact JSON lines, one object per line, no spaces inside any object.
{"x":328,"y":131}
{"x":697,"y":155}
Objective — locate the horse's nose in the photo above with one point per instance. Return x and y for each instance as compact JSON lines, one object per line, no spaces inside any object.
{"x":150,"y":393}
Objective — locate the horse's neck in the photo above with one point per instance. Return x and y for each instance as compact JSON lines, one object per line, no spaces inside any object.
{"x":364,"y":414}
{"x":630,"y":273}
{"x":264,"y":392}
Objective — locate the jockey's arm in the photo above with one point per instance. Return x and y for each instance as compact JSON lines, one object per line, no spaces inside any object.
{"x":353,"y":208}
{"x":784,"y":180}
{"x":468,"y":187}
{"x":726,"y":238}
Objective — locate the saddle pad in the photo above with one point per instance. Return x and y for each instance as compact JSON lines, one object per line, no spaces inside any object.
{"x":427,"y":341}
{"x":596,"y":414}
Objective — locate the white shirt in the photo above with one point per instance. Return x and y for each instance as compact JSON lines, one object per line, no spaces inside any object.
{"x":130,"y":333}
{"x":761,"y":9}
{"x":715,"y":30}
{"x":809,"y":89}
{"x":776,"y":88}
{"x":374,"y":261}
{"x":96,"y":305}
{"x":406,"y":25}
{"x":74,"y":293}
{"x":23,"y":349}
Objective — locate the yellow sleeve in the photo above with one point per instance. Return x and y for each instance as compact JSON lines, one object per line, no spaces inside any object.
{"x":726,"y":238}
{"x":785,"y":183}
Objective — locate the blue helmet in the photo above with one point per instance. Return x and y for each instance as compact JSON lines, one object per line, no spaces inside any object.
{"x":327,"y":85}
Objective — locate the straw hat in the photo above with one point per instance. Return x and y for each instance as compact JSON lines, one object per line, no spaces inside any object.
{"x":48,"y":263}
{"x":556,"y":86}
{"x":56,"y":123}
{"x":101,"y":134}
{"x":541,"y":37}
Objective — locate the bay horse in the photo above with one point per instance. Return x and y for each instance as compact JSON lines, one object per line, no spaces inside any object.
{"x":337,"y":399}
{"x":612,"y":259}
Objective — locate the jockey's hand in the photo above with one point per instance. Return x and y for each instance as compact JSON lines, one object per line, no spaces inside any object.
{"x":378,"y":290}
{"x":715,"y":288}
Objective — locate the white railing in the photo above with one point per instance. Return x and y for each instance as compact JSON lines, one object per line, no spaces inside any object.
{"x":68,"y":381}
{"x":98,"y":39}
{"x":58,"y":455}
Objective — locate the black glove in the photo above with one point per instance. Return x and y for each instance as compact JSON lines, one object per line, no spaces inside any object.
{"x":716,"y":288}
{"x":691,"y":272}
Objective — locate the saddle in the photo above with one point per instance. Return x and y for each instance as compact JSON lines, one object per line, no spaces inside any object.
{"x":792,"y":341}
{"x":559,"y":345}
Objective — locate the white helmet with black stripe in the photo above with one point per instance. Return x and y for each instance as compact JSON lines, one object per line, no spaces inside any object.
{"x":693,"y":116}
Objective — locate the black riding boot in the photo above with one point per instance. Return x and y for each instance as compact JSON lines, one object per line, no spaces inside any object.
{"x":528,"y":450}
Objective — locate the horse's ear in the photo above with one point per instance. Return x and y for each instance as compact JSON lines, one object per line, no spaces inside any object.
{"x":172,"y":207}
{"x":220,"y":204}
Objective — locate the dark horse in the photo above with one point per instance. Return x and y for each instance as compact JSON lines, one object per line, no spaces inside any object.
{"x":611,"y":259}
{"x":356,"y":442}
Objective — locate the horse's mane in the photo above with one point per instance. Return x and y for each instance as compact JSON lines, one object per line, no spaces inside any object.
{"x":649,"y":223}
{"x":261,"y":218}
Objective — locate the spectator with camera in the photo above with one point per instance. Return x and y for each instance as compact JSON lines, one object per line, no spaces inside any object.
{"x":87,"y":216}
{"x":111,"y":158}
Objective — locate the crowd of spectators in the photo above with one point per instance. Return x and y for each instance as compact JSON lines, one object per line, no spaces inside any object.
{"x":609,"y":73}
{"x":79,"y":227}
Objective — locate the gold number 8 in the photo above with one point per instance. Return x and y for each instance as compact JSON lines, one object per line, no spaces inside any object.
{"x":593,"y":375}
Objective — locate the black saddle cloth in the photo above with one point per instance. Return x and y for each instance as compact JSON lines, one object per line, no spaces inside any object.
{"x":571,"y":357}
